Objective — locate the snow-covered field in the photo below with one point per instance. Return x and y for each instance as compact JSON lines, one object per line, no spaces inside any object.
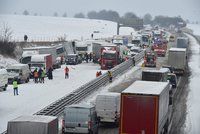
{"x":41,"y":28}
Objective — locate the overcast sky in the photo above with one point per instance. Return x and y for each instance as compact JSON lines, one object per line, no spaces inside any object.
{"x":188,"y":9}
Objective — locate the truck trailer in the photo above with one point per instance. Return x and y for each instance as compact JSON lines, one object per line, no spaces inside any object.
{"x":33,"y":124}
{"x":41,"y":61}
{"x":145,"y":108}
{"x":177,"y":59}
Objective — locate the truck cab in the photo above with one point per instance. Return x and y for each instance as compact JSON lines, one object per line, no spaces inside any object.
{"x":109,"y":57}
{"x":150,"y":59}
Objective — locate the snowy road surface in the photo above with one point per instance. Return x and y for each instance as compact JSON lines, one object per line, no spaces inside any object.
{"x":33,"y":97}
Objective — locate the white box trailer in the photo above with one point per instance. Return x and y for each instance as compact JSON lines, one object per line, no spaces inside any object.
{"x":34,"y":124}
{"x":177,"y":59}
{"x":108,"y":107}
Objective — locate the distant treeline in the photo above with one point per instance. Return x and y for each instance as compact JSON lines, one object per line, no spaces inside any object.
{"x":128,"y":19}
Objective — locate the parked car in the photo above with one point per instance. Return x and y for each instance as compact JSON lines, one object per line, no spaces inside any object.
{"x":80,"y":118}
{"x":3,"y":79}
{"x":19,"y":71}
{"x":73,"y":59}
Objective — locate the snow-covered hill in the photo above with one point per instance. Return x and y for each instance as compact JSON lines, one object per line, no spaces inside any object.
{"x":43,"y":28}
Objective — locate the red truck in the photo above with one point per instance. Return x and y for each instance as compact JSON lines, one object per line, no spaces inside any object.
{"x":109,"y":57}
{"x":145,"y":108}
{"x":160,"y":48}
{"x":150,"y":59}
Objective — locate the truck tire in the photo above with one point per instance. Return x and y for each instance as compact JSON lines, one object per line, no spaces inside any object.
{"x":5,"y":87}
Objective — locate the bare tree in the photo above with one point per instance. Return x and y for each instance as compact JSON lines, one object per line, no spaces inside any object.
{"x":25,"y":12}
{"x":6,"y":33}
{"x":79,"y":15}
{"x":55,"y":14}
{"x":64,"y":15}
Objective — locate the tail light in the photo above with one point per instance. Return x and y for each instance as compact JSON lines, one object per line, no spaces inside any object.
{"x":63,"y":126}
{"x":63,"y":123}
{"x":89,"y":124}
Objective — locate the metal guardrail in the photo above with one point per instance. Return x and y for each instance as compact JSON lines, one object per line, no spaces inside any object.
{"x":79,"y":94}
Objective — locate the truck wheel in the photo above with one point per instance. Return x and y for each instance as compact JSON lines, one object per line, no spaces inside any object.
{"x":27,"y":80}
{"x":5,"y":87}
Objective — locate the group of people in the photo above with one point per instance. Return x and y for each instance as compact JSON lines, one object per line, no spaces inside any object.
{"x":88,"y":57}
{"x":38,"y":75}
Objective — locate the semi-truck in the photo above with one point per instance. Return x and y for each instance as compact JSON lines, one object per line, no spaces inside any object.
{"x":150,"y":59}
{"x":182,"y":42}
{"x":33,"y":124}
{"x":160,"y":48}
{"x":41,"y":61}
{"x":109,"y":57}
{"x":145,"y":108}
{"x":177,"y":59}
{"x":56,"y":51}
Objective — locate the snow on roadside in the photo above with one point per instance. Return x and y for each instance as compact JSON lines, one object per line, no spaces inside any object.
{"x":195,"y":28}
{"x":4,"y":61}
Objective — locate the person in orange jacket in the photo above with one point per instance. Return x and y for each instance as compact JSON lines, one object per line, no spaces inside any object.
{"x":66,"y":72}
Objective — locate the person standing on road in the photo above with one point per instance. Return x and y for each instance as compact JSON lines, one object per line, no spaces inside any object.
{"x":110,"y":76}
{"x":66,"y":72}
{"x":50,"y":73}
{"x":15,"y":86}
{"x":35,"y":75}
{"x":40,"y":75}
{"x":43,"y":75}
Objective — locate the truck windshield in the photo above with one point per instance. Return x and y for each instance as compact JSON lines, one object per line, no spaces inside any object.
{"x":136,"y":42}
{"x":13,"y":70}
{"x":60,"y":50}
{"x":37,"y":65}
{"x":71,"y":56}
{"x":81,"y":48}
{"x":144,"y":38}
{"x":25,"y":60}
{"x":109,"y":56}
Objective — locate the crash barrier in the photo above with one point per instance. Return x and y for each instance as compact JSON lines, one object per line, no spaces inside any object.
{"x":85,"y":90}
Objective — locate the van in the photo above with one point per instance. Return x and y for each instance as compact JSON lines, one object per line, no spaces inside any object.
{"x":19,"y":71}
{"x":108,"y":107}
{"x":80,"y":118}
{"x":3,"y":79}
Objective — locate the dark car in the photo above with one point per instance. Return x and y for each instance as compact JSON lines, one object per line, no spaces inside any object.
{"x":73,"y":59}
